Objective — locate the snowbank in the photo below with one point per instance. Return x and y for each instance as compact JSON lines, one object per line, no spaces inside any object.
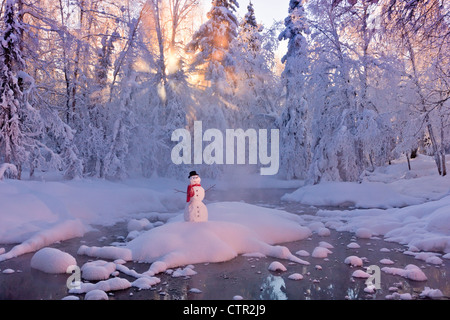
{"x":233,"y":228}
{"x":388,"y":187}
{"x":424,"y":226}
{"x":407,"y":207}
{"x":35,"y":214}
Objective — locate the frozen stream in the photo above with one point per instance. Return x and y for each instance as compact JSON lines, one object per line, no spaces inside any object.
{"x":248,"y":277}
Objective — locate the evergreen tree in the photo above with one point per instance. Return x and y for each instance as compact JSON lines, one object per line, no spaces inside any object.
{"x":294,"y":120}
{"x":212,"y":41}
{"x":11,"y":95}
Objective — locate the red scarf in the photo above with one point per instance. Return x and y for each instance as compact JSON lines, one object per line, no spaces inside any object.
{"x":190,"y":191}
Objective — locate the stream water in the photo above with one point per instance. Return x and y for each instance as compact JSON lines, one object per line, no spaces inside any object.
{"x":248,"y":277}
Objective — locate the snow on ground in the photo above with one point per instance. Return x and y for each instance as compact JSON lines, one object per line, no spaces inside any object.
{"x":35,"y":214}
{"x":387,"y":187}
{"x":407,"y":207}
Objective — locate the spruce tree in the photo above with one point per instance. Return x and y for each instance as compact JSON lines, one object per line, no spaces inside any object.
{"x":11,"y":96}
{"x":212,"y":41}
{"x":293,"y":121}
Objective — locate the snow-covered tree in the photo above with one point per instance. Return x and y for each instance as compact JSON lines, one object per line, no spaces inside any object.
{"x":11,"y":96}
{"x":255,"y":86}
{"x":294,"y":120}
{"x":29,"y":137}
{"x":211,"y":42}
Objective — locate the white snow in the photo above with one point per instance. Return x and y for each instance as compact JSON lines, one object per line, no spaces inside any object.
{"x":111,"y":284}
{"x":184,"y":272}
{"x":325,"y":244}
{"x":277,"y":266}
{"x":295,"y":276}
{"x":360,"y":274}
{"x":386,"y":261}
{"x":411,"y":272}
{"x":233,"y":228}
{"x":96,"y":294}
{"x":145,"y":283}
{"x":399,"y":296}
{"x":8,"y":271}
{"x":354,"y":261}
{"x":323,"y":232}
{"x":52,"y":260}
{"x":320,"y":252}
{"x":39,"y":213}
{"x":97,"y":270}
{"x":139,"y":224}
{"x":363,"y":233}
{"x":431,"y":293}
{"x":302,"y":253}
{"x":353,"y":245}
{"x":107,"y":252}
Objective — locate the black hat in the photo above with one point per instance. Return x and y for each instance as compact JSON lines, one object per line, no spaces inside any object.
{"x":192,"y":173}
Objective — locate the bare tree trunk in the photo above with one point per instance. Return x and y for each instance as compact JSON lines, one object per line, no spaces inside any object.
{"x":436,"y":152}
{"x":409,"y":163}
{"x":442,"y":149}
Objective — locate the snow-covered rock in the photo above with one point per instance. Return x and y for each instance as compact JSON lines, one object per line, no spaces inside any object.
{"x":276,"y":266}
{"x":354,"y":261}
{"x":320,"y":252}
{"x":96,"y":294}
{"x":97,"y":270}
{"x":411,"y":272}
{"x":295,"y":276}
{"x":360,"y":274}
{"x":52,"y":260}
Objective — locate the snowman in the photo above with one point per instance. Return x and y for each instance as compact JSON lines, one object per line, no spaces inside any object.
{"x":195,"y":210}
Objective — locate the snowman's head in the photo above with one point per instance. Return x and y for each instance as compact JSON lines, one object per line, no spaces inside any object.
{"x":195,"y":179}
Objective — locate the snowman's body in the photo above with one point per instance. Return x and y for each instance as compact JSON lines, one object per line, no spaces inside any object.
{"x":195,"y":210}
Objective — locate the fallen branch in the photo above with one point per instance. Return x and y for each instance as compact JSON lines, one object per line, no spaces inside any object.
{"x":180,"y":191}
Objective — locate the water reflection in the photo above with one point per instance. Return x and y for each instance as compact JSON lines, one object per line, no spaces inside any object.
{"x":273,"y":288}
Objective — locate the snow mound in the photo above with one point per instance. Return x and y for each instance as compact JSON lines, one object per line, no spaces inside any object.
{"x":139,"y":225}
{"x":360,"y":274}
{"x":184,"y":272}
{"x":107,"y":252}
{"x":57,"y":232}
{"x":320,"y":252}
{"x":431,"y":293}
{"x":145,"y":283}
{"x":325,"y":244}
{"x":354,"y":261}
{"x":386,"y":261}
{"x":411,"y":272}
{"x":363,"y":233}
{"x":277,"y":266}
{"x":36,"y":214}
{"x":112,"y":284}
{"x":97,"y":270}
{"x":399,"y":296}
{"x":295,"y":276}
{"x":233,"y":228}
{"x":360,"y":195}
{"x":96,"y":294}
{"x":51,"y":260}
